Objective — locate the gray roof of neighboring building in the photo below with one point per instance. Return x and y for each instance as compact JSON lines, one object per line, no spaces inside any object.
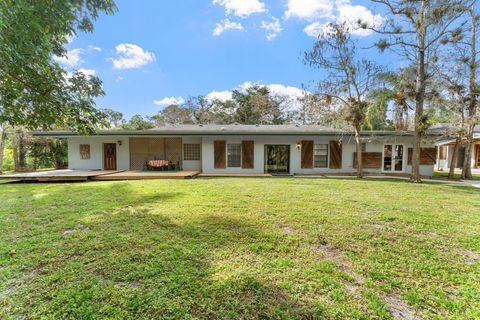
{"x":232,"y":129}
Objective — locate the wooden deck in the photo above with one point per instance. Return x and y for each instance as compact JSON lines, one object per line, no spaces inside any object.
{"x":85,"y":175}
{"x":56,"y":175}
{"x":145,"y":175}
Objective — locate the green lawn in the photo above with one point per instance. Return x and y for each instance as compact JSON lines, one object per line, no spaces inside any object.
{"x":456,"y":175}
{"x":279,"y":248}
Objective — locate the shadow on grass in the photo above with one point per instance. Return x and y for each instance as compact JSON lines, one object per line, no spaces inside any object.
{"x":131,"y":259}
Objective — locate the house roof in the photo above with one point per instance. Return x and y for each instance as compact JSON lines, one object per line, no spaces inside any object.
{"x":232,"y":129}
{"x":447,"y":133}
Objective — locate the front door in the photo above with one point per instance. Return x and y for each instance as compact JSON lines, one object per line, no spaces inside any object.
{"x":277,"y":159}
{"x":393,"y":158}
{"x":110,"y":156}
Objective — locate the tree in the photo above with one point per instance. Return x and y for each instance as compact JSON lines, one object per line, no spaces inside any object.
{"x":399,"y":89}
{"x":137,"y":122}
{"x":417,"y":28}
{"x":348,"y":81}
{"x":114,"y":118}
{"x":20,"y":139}
{"x":315,"y":109}
{"x":257,"y":106}
{"x":35,"y":91}
{"x":377,"y":112}
{"x":473,"y":118}
{"x":453,"y":110}
{"x":3,"y":138}
{"x":173,"y":115}
{"x":48,"y":152}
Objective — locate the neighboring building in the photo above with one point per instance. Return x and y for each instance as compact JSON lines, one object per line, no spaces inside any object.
{"x":249,"y":149}
{"x":446,"y":150}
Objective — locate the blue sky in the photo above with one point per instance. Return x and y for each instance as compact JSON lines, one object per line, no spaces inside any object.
{"x":152,"y":50}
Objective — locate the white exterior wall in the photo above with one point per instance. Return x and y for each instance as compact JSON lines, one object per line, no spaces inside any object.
{"x":206,"y":164}
{"x":348,"y":148}
{"x":192,"y":165}
{"x":96,"y":152}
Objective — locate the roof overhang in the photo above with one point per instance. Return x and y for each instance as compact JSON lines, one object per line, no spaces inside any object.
{"x":134,"y":133}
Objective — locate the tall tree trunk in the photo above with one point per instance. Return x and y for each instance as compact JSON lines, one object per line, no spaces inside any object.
{"x":3,"y":136}
{"x":19,"y":150}
{"x":467,"y":164}
{"x":453,"y":162}
{"x":358,"y":142}
{"x":419,"y":93}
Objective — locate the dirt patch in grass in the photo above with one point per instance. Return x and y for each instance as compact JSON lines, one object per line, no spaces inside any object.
{"x":471,"y":257}
{"x":70,"y":231}
{"x":398,"y":308}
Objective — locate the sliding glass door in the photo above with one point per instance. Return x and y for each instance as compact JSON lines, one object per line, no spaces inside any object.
{"x":277,"y":159}
{"x":393,"y":158}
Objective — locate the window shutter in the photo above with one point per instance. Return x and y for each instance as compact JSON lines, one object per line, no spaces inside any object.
{"x":335,"y":155}
{"x":307,"y":154}
{"x":247,"y":154}
{"x":370,"y":160}
{"x":220,"y":154}
{"x":428,"y":156}
{"x":442,"y":153}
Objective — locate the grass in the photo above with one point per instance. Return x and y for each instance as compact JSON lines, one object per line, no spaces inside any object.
{"x":457,"y":175}
{"x":239,"y":248}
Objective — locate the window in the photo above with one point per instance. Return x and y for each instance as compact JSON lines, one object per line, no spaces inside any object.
{"x":84,"y":151}
{"x":387,"y":157}
{"x":234,"y":155}
{"x":364,"y":147}
{"x":320,"y":156}
{"x":191,"y":152}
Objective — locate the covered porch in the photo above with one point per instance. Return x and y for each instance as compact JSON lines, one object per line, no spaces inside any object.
{"x":144,"y":150}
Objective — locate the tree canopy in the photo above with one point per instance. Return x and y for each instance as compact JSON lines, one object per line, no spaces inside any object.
{"x":35,"y":91}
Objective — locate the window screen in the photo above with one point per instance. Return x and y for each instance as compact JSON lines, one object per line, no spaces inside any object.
{"x":191,"y":152}
{"x":320,"y":156}
{"x":234,"y":155}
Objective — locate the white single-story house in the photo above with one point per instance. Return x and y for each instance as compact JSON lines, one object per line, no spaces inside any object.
{"x":247,"y":149}
{"x":446,"y":149}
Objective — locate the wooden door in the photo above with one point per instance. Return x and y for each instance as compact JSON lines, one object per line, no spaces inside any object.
{"x":110,"y":156}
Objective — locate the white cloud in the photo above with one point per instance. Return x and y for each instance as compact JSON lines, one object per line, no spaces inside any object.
{"x":315,"y":29}
{"x":219,"y":95}
{"x":241,"y":8}
{"x":273,"y":28}
{"x":168,"y":101}
{"x":94,"y":48}
{"x":225,"y":25}
{"x":70,"y":38}
{"x":87,"y":72}
{"x":351,"y":14}
{"x":290,"y":93}
{"x":344,"y":12}
{"x":309,"y":9}
{"x":131,"y":56}
{"x":71,"y":59}
{"x":285,"y":91}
